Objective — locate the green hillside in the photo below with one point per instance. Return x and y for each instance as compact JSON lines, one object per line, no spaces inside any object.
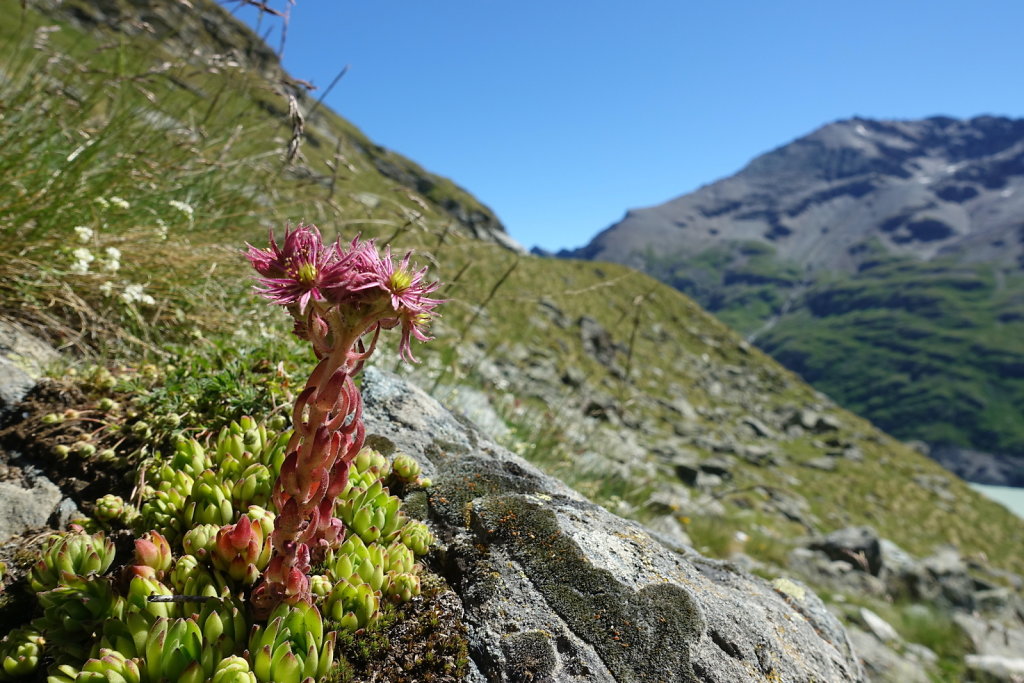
{"x":927,"y":350}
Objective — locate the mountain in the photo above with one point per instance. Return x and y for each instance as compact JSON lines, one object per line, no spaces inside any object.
{"x":881,"y":260}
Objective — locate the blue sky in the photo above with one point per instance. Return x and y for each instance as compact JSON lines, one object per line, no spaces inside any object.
{"x":560,"y":116}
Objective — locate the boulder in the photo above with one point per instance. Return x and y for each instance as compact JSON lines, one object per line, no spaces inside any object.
{"x":556,"y":588}
{"x":27,"y":504}
{"x":995,"y":669}
{"x":858,"y":546}
{"x":23,"y":358}
{"x":886,"y":665}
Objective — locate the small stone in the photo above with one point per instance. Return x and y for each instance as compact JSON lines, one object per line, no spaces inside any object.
{"x":879,"y":626}
{"x":824,"y":463}
{"x":995,"y":669}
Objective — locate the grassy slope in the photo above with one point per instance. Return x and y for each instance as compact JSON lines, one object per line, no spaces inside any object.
{"x":238,"y":187}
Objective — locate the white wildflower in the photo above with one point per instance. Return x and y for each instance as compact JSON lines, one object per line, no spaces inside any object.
{"x":119,"y":203}
{"x":84,"y":233}
{"x":161,"y":229}
{"x":101,"y":202}
{"x":113,"y":261}
{"x":182,"y":206}
{"x":83,"y":257}
{"x":134,"y":292}
{"x":107,"y":288}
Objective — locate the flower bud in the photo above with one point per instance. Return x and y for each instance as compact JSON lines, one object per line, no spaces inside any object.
{"x":153,"y":550}
{"x":237,"y":549}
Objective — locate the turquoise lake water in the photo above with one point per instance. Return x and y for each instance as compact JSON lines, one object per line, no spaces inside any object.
{"x":1012,"y":498}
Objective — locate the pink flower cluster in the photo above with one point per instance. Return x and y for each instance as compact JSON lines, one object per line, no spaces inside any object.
{"x":336,"y":295}
{"x":369,"y":291}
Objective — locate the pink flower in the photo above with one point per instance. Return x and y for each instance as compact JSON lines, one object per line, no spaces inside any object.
{"x":406,"y":287}
{"x":298,"y":272}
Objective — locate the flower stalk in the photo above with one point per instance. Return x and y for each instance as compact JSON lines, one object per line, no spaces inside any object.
{"x":339,"y":297}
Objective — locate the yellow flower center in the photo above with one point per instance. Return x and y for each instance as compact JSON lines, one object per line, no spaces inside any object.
{"x":400,"y":281}
{"x":307,"y":274}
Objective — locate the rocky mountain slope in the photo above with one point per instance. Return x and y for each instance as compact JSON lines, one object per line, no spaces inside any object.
{"x":602,"y":377}
{"x":882,"y":260}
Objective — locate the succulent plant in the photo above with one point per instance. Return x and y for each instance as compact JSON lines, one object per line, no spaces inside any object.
{"x":74,"y":612}
{"x":190,"y":577}
{"x":224,"y":627}
{"x":174,"y":652}
{"x":165,"y":507}
{"x":253,"y":487}
{"x":233,"y":669}
{"x":200,"y":540}
{"x":210,"y":501}
{"x":353,"y":604}
{"x":20,"y":651}
{"x":371,"y":512}
{"x":109,"y":508}
{"x":417,"y":537}
{"x":292,"y":646}
{"x":339,"y":297}
{"x":320,"y":585}
{"x":370,"y":462}
{"x":190,"y":457}
{"x":110,"y":667}
{"x":153,"y":551}
{"x":70,"y":554}
{"x":141,"y":589}
{"x":238,"y":550}
{"x":402,"y":587}
{"x":405,"y":468}
{"x":127,"y":635}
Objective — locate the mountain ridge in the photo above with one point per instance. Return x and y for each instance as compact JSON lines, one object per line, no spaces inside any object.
{"x":809,"y":245}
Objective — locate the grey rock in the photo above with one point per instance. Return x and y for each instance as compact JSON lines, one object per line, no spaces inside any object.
{"x":995,"y":637}
{"x":23,"y":358}
{"x":550,"y":309}
{"x":669,"y":500}
{"x":884,"y":664}
{"x":995,"y":669}
{"x":598,"y":342}
{"x":949,"y":572}
{"x":857,"y":546}
{"x":556,"y":588}
{"x":683,"y":407}
{"x":760,"y":428}
{"x":29,"y":507}
{"x":824,"y":463}
{"x":836,"y":575}
{"x":882,"y":629}
{"x":669,"y":528}
{"x":476,"y":406}
{"x":719,"y":467}
{"x":759,"y":455}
